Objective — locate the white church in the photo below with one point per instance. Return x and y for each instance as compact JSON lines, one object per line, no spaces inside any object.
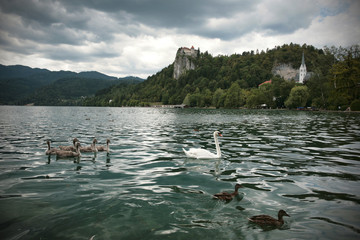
{"x":302,"y":71}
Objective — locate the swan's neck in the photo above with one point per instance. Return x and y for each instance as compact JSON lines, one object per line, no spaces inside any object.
{"x":78,"y":149}
{"x":218,"y":151}
{"x":48,"y":145}
{"x":107,"y":147}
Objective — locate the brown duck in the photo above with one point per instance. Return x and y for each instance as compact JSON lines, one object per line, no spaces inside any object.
{"x":91,"y":148}
{"x":50,"y":150}
{"x":104,"y":148}
{"x":62,"y":153}
{"x":266,"y":220}
{"x":70,"y":148}
{"x":225,"y":196}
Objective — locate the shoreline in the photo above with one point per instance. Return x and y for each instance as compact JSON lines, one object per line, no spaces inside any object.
{"x":212,"y":108}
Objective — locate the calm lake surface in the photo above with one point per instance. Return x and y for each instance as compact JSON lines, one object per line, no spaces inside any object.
{"x":307,"y":163}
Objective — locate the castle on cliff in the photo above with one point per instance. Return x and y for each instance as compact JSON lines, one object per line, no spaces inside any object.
{"x":184,"y":60}
{"x":188,"y":51}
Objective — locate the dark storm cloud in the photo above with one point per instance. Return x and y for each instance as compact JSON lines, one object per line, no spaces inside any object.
{"x":142,"y":34}
{"x":61,"y":18}
{"x":170,"y":13}
{"x":58,"y":21}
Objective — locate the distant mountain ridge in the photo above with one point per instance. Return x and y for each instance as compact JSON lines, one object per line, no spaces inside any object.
{"x":18,"y":82}
{"x":20,"y":71}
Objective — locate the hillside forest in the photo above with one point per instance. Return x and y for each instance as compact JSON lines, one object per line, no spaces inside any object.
{"x":236,"y":81}
{"x":20,"y":85}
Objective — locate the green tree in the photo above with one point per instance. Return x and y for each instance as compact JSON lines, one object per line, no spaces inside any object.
{"x":255,"y":98}
{"x":298,"y":97}
{"x":319,"y":89}
{"x":234,"y":97}
{"x":281,"y":90}
{"x":218,"y":98}
{"x":355,"y":105}
{"x":346,"y":73}
{"x":187,"y":100}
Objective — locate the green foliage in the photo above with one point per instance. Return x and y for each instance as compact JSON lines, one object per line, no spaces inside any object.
{"x":67,"y":91}
{"x":22,"y":85}
{"x":234,"y":97}
{"x":233,"y":81}
{"x":298,"y":97}
{"x":255,"y":98}
{"x":218,"y":98}
{"x":355,"y":105}
{"x":345,"y":75}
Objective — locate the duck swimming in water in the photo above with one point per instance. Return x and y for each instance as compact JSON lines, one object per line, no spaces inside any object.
{"x":91,"y":148}
{"x":225,"y":196}
{"x":50,"y":150}
{"x":266,"y":220}
{"x":62,"y":153}
{"x":104,"y":148}
{"x":70,"y":148}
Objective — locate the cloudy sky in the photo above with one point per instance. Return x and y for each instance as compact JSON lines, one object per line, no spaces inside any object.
{"x":140,"y":37}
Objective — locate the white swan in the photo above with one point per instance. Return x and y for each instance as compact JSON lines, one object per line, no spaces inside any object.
{"x":202,"y":153}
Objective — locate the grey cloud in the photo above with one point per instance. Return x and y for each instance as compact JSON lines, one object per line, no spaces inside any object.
{"x":85,"y":30}
{"x":190,"y":16}
{"x":187,"y":16}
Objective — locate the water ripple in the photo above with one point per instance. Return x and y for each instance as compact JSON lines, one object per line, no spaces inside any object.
{"x":304,"y":162}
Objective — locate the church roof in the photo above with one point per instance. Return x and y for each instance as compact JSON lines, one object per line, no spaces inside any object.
{"x":303,"y":59}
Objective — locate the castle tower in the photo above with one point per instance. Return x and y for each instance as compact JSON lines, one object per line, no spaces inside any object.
{"x":302,"y":70}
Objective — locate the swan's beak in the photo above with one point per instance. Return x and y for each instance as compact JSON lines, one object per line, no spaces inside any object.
{"x":220,"y":134}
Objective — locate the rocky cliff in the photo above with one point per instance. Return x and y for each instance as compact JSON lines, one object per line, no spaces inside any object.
{"x":286,"y":71}
{"x":184,"y":61}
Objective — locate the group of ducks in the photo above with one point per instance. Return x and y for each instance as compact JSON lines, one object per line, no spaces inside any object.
{"x":76,"y":149}
{"x":263,"y":220}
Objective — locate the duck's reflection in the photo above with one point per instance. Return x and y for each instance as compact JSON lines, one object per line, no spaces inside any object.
{"x":83,"y":158}
{"x":108,"y":162}
{"x":78,"y":168}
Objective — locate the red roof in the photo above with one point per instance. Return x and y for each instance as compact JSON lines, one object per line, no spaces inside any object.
{"x":265,"y":82}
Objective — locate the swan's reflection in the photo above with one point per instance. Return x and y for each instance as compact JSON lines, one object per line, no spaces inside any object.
{"x":204,"y":165}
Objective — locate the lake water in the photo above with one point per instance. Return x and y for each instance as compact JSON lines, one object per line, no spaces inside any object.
{"x":307,"y":163}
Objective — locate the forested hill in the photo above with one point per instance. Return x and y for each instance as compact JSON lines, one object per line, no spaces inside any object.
{"x":233,"y":81}
{"x":22,"y":85}
{"x":72,"y":91}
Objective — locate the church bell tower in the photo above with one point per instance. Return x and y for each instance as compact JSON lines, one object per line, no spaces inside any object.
{"x":302,"y":70}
